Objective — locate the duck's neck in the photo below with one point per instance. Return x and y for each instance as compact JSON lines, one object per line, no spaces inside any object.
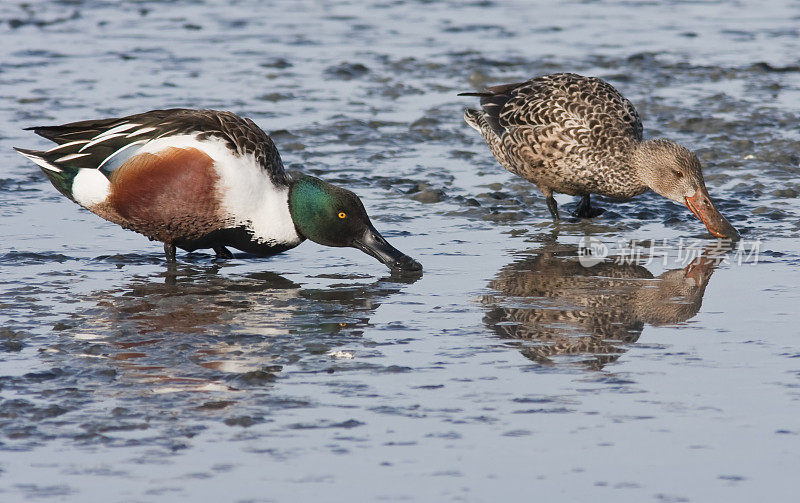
{"x":304,"y":197}
{"x":641,"y":158}
{"x":646,"y":160}
{"x":271,"y":223}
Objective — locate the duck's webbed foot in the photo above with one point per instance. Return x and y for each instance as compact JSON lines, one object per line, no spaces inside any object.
{"x":585,"y":210}
{"x":222,"y":252}
{"x":552,"y":206}
{"x":169,"y":250}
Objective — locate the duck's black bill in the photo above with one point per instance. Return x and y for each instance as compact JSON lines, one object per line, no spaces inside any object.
{"x":372,"y":243}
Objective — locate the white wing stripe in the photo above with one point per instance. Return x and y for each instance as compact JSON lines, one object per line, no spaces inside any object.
{"x":125,"y":126}
{"x":70,"y":157}
{"x":65,"y":145}
{"x":100,"y":139}
{"x":141,"y":131}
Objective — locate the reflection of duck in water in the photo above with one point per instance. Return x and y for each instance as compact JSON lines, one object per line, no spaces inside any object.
{"x":214,"y":333}
{"x":574,"y":310}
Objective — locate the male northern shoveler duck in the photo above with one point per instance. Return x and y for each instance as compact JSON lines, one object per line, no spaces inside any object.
{"x":577,"y":135}
{"x":203,"y":179}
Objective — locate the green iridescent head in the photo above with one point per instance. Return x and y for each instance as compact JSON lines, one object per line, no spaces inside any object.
{"x":333,"y":216}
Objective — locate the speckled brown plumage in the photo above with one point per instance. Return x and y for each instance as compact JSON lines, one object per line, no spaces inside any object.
{"x":577,"y":135}
{"x":564,"y":132}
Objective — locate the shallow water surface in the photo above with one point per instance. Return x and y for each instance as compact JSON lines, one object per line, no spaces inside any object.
{"x":511,"y":369}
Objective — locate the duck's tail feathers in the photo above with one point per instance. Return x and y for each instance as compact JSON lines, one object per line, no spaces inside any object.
{"x":38,"y":157}
{"x":75,"y":130}
{"x":481,"y":94}
{"x":474,"y":118}
{"x":49,"y":132}
{"x":60,"y":177}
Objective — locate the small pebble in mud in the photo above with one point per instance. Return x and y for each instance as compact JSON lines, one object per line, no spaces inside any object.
{"x":786,"y":193}
{"x":243,"y":421}
{"x":282,"y":134}
{"x":276,"y":63}
{"x":417,"y":187}
{"x":462,"y":154}
{"x":779,"y":156}
{"x":429,"y":196}
{"x":768,"y":212}
{"x":257,"y":378}
{"x":274,"y":97}
{"x":423,"y":193}
{"x":11,"y":346}
{"x":293,"y":146}
{"x":468,"y":201}
{"x":346,"y":71}
{"x":217,"y":405}
{"x":424,"y":123}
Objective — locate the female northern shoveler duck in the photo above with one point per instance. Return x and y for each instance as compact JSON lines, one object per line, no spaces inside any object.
{"x":577,"y":135}
{"x":203,"y":179}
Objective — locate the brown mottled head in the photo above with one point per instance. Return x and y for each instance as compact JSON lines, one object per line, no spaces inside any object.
{"x":674,"y":172}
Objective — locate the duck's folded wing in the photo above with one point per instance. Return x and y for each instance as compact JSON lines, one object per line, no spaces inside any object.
{"x":571,"y":103}
{"x":106,"y":144}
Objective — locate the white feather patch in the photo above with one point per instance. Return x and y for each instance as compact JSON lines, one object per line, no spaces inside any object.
{"x":90,"y":187}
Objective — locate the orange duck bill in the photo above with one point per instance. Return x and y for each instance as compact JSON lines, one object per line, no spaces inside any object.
{"x":700,"y":204}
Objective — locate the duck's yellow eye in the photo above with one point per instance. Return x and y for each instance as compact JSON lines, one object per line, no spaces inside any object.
{"x":342,"y":214}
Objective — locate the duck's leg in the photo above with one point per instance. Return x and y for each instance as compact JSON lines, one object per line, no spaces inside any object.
{"x":222,"y":252}
{"x":553,"y":207}
{"x":169,"y":249}
{"x":551,"y":204}
{"x":585,"y":210}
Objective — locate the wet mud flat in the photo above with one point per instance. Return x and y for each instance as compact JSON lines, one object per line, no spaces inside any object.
{"x":510,"y":367}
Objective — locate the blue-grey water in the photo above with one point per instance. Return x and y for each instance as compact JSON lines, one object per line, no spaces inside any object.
{"x":509,"y":371}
